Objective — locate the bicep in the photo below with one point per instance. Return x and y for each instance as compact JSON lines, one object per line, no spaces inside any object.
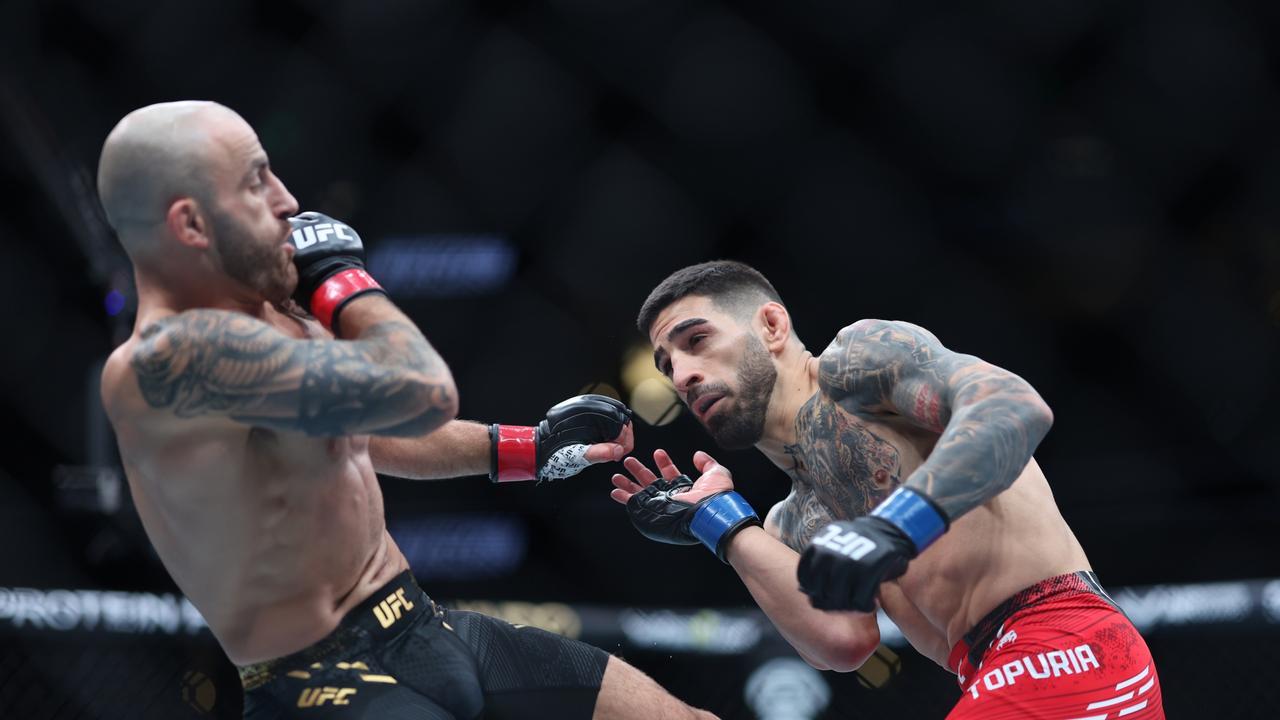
{"x":219,"y":364}
{"x":877,"y":367}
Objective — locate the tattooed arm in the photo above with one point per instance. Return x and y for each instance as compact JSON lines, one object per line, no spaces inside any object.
{"x":386,"y":379}
{"x":989,"y":420}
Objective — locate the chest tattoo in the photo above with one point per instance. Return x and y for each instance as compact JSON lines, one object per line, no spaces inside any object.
{"x":841,"y":470}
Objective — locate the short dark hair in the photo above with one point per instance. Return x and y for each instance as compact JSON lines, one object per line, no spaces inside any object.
{"x":730,"y":285}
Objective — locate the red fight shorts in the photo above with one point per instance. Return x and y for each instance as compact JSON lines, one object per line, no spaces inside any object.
{"x":1058,"y":650}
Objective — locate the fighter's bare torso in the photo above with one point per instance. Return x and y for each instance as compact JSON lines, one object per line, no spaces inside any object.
{"x":272,"y":535}
{"x":844,"y":464}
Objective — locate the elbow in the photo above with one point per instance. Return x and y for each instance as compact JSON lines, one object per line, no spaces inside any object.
{"x":842,"y":654}
{"x":1025,"y":411}
{"x":847,"y":661}
{"x":432,"y":402}
{"x":1038,"y":418}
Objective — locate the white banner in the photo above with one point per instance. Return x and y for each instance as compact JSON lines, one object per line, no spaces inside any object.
{"x":96,"y":610}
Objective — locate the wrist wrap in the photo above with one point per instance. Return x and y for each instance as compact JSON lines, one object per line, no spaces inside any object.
{"x":337,"y":290}
{"x":915,"y":514}
{"x":513,"y":454}
{"x":719,"y":519}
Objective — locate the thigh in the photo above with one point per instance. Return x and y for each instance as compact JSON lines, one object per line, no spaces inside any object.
{"x":528,"y":672}
{"x":626,"y":693}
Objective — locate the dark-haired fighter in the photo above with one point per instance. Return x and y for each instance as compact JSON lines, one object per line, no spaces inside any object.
{"x":913,"y":489}
{"x":250,"y":437}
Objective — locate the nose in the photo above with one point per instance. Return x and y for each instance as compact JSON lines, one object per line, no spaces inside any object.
{"x":285,"y":204}
{"x":684,"y":376}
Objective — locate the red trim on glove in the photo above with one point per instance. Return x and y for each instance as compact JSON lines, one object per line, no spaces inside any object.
{"x":336,"y":290}
{"x":517,"y":453}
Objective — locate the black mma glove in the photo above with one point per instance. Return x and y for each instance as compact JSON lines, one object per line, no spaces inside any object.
{"x":659,"y":514}
{"x":330,"y":261}
{"x":556,"y":448}
{"x":844,"y":564}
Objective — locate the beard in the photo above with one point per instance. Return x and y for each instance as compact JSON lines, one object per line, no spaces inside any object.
{"x":257,"y":265}
{"x":743,"y":427}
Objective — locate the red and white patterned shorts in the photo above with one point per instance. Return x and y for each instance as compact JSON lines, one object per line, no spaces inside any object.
{"x":1059,"y":650}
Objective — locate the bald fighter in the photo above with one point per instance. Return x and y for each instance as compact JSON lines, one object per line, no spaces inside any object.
{"x":250,"y":427}
{"x":913,"y":489}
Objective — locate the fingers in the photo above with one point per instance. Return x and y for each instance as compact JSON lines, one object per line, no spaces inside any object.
{"x":665,"y":465}
{"x":612,"y":451}
{"x":704,"y":462}
{"x":643,"y":475}
{"x":626,"y":484}
{"x":624,"y":488}
{"x":627,"y":439}
{"x":605,"y":452}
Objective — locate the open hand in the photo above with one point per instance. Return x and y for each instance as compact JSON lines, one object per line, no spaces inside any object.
{"x":713,"y":478}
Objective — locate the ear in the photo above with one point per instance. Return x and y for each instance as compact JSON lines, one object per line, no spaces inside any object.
{"x":187,"y":224}
{"x":775,"y":322}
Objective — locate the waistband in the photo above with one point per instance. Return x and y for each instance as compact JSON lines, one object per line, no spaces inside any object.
{"x":984,"y":632}
{"x":380,"y":617}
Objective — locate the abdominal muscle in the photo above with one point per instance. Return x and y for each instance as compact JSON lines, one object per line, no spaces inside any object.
{"x":1011,"y":542}
{"x":273,"y":537}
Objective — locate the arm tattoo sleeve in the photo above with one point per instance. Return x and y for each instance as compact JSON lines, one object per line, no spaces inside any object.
{"x":989,"y":420}
{"x":210,"y":362}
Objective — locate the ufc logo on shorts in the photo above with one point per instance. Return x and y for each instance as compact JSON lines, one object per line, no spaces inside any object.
{"x":305,"y":237}
{"x":388,"y":611}
{"x":849,"y":543}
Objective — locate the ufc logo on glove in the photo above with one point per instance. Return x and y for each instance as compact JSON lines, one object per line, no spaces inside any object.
{"x":305,"y":237}
{"x":848,"y":543}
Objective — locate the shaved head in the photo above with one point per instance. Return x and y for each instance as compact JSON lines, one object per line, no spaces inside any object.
{"x":155,"y":155}
{"x":190,"y":192}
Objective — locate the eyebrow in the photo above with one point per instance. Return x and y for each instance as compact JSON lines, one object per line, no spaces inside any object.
{"x":256,"y":166}
{"x":680,"y":327}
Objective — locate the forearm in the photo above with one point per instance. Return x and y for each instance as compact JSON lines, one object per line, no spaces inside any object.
{"x":839,"y":641}
{"x":458,"y":449}
{"x":366,"y":312}
{"x":982,"y":451}
{"x":399,"y":349}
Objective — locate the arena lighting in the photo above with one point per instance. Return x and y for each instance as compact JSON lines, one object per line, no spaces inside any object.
{"x":601,"y":388}
{"x":715,"y":632}
{"x":649,"y":392}
{"x":114,"y":302}
{"x":442,"y":265}
{"x":787,"y":689}
{"x":461,"y":546}
{"x":96,"y":489}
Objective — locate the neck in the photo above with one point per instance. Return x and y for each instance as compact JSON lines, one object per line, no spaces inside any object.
{"x":174,"y":291}
{"x":797,"y":382}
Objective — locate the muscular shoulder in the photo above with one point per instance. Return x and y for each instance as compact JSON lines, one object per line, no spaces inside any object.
{"x":192,"y":330}
{"x":116,"y":381}
{"x":145,"y":375}
{"x":865,"y":359}
{"x":180,"y":358}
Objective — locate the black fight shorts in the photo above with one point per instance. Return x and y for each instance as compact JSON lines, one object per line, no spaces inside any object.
{"x":399,"y":656}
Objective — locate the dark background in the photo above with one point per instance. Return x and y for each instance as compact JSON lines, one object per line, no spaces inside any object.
{"x":1081,"y":191}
